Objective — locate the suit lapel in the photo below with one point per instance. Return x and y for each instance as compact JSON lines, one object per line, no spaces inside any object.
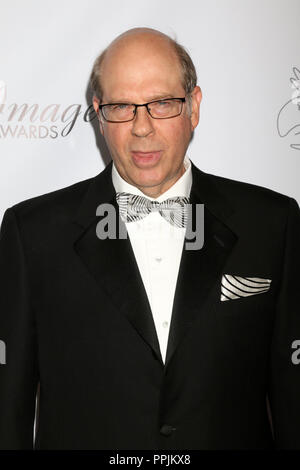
{"x":200,"y":269}
{"x":112,"y":263}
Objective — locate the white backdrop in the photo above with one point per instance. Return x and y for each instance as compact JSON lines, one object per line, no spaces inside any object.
{"x":245,"y":53}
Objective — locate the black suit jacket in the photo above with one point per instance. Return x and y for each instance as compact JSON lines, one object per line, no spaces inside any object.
{"x":75,"y":319}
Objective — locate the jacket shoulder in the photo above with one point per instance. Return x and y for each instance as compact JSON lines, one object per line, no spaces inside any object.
{"x":249,"y":194}
{"x":59,"y":204}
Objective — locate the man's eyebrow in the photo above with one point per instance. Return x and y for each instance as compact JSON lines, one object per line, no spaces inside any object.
{"x":159,"y":96}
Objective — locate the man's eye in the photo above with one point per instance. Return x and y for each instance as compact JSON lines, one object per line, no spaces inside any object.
{"x":163,"y":103}
{"x":160,"y":105}
{"x":120,"y":106}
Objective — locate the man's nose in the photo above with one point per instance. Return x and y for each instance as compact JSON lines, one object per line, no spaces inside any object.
{"x":142,"y":125}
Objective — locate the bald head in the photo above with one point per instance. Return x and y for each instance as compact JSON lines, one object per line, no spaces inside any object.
{"x":142,"y":44}
{"x":133,"y":34}
{"x":145,"y":45}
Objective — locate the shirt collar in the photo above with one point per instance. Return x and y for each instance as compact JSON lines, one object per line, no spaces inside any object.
{"x":182,"y":187}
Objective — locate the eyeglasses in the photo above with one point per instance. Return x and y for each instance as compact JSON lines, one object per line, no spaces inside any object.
{"x":124,"y":112}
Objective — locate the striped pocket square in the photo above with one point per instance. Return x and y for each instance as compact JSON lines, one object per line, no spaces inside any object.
{"x":235,"y":287}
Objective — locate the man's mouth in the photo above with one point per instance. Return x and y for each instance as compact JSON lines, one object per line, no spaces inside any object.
{"x":146,"y":158}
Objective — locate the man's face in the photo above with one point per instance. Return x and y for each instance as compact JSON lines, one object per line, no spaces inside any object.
{"x":147,"y":152}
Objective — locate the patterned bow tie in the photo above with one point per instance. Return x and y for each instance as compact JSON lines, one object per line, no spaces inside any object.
{"x":133,"y":208}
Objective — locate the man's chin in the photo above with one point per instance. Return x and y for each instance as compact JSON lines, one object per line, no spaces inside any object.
{"x":147,"y":178}
{"x":147,"y":184}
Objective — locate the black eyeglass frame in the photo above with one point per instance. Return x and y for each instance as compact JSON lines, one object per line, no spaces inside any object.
{"x":183,"y":100}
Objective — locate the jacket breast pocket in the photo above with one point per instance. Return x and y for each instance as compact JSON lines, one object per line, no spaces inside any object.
{"x":252,"y":305}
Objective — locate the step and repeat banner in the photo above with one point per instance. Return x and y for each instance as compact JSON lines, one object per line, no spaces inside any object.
{"x":247,"y":57}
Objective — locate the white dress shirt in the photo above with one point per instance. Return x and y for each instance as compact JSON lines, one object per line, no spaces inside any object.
{"x":157,"y":246}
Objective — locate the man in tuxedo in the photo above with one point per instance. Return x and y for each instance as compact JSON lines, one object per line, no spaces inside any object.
{"x":143,"y":342}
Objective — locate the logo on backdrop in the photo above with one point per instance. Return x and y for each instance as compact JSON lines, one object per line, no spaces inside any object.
{"x":34,"y":121}
{"x":288,"y":119}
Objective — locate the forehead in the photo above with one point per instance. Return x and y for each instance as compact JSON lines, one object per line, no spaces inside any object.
{"x":141,"y":68}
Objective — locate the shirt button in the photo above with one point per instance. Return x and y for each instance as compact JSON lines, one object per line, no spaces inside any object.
{"x":165,"y":324}
{"x":167,"y":429}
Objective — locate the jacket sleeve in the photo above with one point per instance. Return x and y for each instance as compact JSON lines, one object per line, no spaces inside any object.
{"x":284,"y":378}
{"x":18,"y":367}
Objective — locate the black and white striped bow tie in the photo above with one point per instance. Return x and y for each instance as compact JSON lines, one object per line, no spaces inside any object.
{"x":133,"y":207}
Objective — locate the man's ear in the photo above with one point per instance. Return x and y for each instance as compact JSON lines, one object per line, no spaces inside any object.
{"x":96,"y":103}
{"x":195,"y":106}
